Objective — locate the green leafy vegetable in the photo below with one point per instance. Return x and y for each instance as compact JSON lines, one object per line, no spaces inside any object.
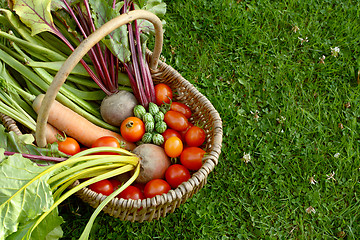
{"x":155,"y":6}
{"x":48,"y":229}
{"x":30,"y":194}
{"x":35,"y":14}
{"x":23,"y":144}
{"x":117,"y":41}
{"x":22,"y":199}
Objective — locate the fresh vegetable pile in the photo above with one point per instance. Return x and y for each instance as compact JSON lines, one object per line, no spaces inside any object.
{"x":110,"y":129}
{"x":167,"y":134}
{"x":105,"y":167}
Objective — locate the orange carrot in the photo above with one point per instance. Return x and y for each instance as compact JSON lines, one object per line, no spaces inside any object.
{"x":76,"y":126}
{"x":51,"y":133}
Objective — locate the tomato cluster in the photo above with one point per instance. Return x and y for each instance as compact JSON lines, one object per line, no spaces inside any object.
{"x":181,"y":140}
{"x":108,"y":186}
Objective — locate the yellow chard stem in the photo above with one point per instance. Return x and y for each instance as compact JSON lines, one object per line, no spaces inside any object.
{"x":110,"y":174}
{"x":93,"y":161}
{"x":95,"y":171}
{"x":86,"y":232}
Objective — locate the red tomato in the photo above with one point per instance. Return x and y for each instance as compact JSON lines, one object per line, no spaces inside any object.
{"x":191,"y":158}
{"x":132,"y":129}
{"x":104,"y":187}
{"x":176,"y":174}
{"x":182,"y":133}
{"x":140,"y":186}
{"x":163,"y":94}
{"x":181,"y":108}
{"x":69,"y":146}
{"x":131,"y":192}
{"x":173,"y":147}
{"x":195,"y":136}
{"x":116,"y":183}
{"x":82,"y":148}
{"x":107,"y":141}
{"x":156,"y":187}
{"x":176,"y":120}
{"x":171,"y":133}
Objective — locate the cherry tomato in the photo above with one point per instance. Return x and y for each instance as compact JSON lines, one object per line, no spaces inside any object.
{"x":140,"y":186}
{"x":171,"y":133}
{"x":173,"y":147}
{"x":191,"y":158}
{"x":107,"y":141}
{"x":156,"y":187}
{"x":176,"y":120}
{"x":163,"y":93}
{"x":176,"y":174}
{"x":69,"y":146}
{"x":116,"y":183}
{"x":82,"y":148}
{"x":104,"y":187}
{"x":131,"y":192}
{"x":182,"y":133}
{"x":195,"y":136}
{"x":181,"y":108}
{"x":132,"y":129}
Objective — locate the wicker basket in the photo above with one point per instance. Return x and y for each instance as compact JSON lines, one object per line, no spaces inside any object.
{"x":203,"y":112}
{"x":10,"y":124}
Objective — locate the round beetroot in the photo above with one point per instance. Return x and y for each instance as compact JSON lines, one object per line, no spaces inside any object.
{"x":153,"y":162}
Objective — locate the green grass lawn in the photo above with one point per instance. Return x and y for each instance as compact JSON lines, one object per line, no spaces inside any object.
{"x":295,"y":112}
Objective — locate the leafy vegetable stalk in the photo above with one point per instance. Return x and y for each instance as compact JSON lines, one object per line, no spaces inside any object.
{"x":33,"y":71}
{"x":106,"y":77}
{"x":106,"y":65}
{"x":138,"y":70}
{"x":44,"y":188}
{"x":34,"y":9}
{"x":37,"y":157}
{"x":104,"y":60}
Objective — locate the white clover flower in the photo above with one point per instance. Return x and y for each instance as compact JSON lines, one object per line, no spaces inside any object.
{"x":310,"y":210}
{"x":246,"y":157}
{"x":347,"y":105}
{"x":336,"y":155}
{"x":331,"y":176}
{"x":303,"y":40}
{"x":335,"y":51}
{"x":295,"y":29}
{"x":281,"y":119}
{"x":322,"y":58}
{"x":256,"y":114}
{"x":162,"y":58}
{"x":312,"y":180}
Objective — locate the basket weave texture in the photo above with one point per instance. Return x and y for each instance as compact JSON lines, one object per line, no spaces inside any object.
{"x":158,"y":206}
{"x":10,"y":124}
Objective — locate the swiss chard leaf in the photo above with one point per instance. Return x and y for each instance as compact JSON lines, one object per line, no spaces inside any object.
{"x":59,"y":4}
{"x":48,"y":229}
{"x":35,"y":14}
{"x":117,"y":41}
{"x":21,"y":198}
{"x":23,"y":144}
{"x":158,"y":8}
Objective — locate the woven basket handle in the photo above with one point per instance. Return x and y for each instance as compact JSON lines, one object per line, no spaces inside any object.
{"x":79,"y":53}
